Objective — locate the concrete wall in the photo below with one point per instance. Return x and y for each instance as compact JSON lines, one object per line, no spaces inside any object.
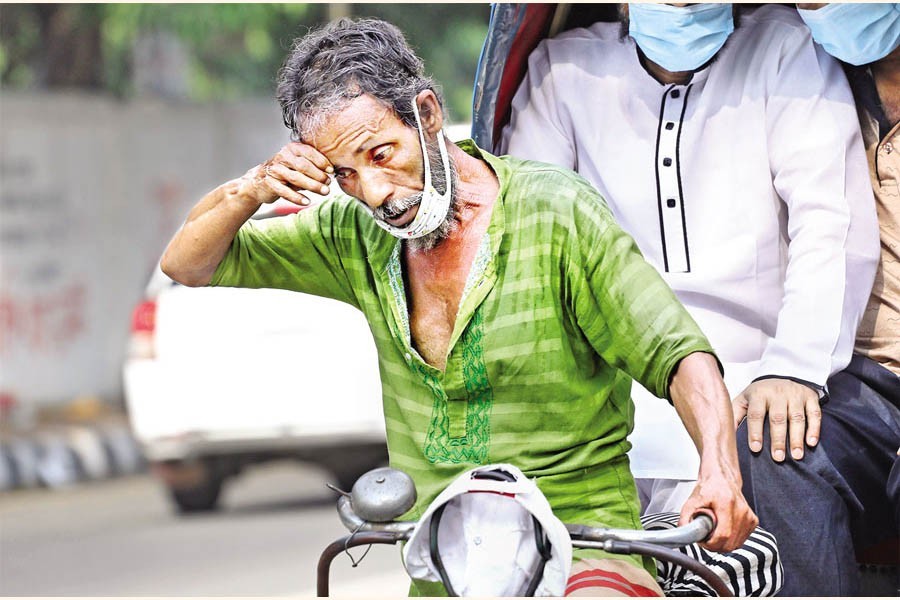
{"x":91,"y":189}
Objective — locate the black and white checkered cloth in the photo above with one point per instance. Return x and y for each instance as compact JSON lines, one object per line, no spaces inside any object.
{"x":754,"y":569}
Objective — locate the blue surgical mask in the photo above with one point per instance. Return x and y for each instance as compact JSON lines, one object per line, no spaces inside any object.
{"x":857,"y":33}
{"x":680,"y":38}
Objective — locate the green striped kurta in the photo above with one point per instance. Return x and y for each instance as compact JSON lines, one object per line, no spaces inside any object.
{"x":560,"y":312}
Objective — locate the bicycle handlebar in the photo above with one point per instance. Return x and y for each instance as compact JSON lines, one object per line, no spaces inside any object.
{"x":697,"y":530}
{"x":656,"y":543}
{"x":583,"y":536}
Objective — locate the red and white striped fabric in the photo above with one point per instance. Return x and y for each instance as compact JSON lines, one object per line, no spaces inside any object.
{"x":603,"y":582}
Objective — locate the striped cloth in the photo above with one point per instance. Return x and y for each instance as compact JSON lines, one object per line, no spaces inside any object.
{"x":754,"y":569}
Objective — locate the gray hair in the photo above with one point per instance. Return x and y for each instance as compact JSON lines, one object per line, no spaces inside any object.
{"x":330,"y":66}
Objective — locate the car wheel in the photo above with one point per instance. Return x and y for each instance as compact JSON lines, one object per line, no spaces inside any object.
{"x":202,"y":497}
{"x":193,"y":486}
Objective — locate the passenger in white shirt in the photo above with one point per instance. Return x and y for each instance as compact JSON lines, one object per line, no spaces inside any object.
{"x":735,"y":161}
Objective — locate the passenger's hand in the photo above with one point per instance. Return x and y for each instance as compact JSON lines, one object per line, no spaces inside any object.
{"x":794,"y":415}
{"x":297,"y":168}
{"x":718,"y":492}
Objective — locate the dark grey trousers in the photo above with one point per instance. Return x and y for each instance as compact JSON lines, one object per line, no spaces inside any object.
{"x":843,"y":494}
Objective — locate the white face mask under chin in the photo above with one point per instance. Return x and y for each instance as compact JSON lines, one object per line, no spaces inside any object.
{"x":434,"y":206}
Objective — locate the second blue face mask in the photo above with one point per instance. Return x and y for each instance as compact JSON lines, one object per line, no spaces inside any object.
{"x":855,"y":33}
{"x":680,"y":38}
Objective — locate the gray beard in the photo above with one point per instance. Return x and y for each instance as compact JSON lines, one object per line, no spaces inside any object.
{"x":439,"y":182}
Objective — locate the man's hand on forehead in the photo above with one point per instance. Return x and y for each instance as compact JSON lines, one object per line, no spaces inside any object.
{"x":295,"y":169}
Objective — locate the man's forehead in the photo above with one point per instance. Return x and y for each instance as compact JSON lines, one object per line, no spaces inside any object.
{"x":350,"y":125}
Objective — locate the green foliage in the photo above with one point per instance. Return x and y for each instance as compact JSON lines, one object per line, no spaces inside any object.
{"x":234,"y":50}
{"x":19,"y":31}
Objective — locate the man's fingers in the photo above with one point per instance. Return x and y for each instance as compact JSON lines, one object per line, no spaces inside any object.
{"x":743,"y":523}
{"x":778,"y":428}
{"x":722,"y":540}
{"x":739,"y":409}
{"x":301,"y":166}
{"x":316,"y":158}
{"x":796,"y":425}
{"x":733,"y":527}
{"x":298,"y":180}
{"x":734,"y":520}
{"x":756,"y":416}
{"x":813,"y":419}
{"x":723,"y":518}
{"x":286,"y":192}
{"x":794,"y":416}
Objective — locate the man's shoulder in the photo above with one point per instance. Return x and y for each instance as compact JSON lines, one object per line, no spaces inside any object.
{"x":763,"y":24}
{"x":526,"y":172}
{"x":768,"y":14}
{"x":536,"y":185}
{"x":583,"y":42}
{"x":338,"y":219}
{"x":763,"y":45}
{"x":598,"y":32}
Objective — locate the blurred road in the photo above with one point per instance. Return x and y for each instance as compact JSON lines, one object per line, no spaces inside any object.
{"x":120,"y":538}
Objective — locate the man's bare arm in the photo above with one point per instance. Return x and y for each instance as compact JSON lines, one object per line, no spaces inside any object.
{"x":703,"y":403}
{"x":202,"y":242}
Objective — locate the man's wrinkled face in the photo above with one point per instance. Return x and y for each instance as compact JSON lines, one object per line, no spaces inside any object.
{"x":377,"y":159}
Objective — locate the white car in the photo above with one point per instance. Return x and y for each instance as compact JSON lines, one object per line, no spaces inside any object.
{"x":219,"y":378}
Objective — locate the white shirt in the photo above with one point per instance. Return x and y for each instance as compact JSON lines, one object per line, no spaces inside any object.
{"x":747,"y":188}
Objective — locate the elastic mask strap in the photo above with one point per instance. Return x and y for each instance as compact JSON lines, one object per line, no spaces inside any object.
{"x":427,"y":163}
{"x":433,"y":548}
{"x":494,"y":475}
{"x":544,"y":551}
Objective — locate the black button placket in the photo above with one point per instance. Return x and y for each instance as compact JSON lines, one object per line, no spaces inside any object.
{"x":668,"y":173}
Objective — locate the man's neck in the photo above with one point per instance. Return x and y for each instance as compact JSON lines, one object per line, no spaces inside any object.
{"x":477,"y":186}
{"x":886,"y":73}
{"x":662,"y":75}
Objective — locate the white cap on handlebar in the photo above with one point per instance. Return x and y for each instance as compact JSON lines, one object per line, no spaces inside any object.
{"x":486,"y":537}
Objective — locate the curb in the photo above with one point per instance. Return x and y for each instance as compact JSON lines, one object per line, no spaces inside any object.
{"x":61,"y":455}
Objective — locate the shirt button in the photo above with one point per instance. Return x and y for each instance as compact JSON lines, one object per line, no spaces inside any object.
{"x":407,"y":356}
{"x":671,"y":202}
{"x":670,"y":125}
{"x":667,"y":162}
{"x":888,"y":148}
{"x":675,"y":93}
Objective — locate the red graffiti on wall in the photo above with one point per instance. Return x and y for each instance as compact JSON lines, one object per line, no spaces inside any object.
{"x":42,"y":322}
